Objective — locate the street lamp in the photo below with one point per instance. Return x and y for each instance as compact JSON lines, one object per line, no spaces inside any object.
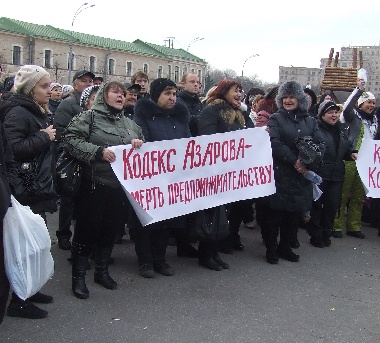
{"x":193,"y":41}
{"x":242,"y":70}
{"x":83,"y":7}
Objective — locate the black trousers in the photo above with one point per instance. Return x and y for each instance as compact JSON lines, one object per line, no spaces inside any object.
{"x":324,"y":209}
{"x":65,"y":217}
{"x":279,"y":221}
{"x":98,"y":215}
{"x":4,"y":284}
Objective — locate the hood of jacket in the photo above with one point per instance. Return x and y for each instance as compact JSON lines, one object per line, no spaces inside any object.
{"x":149,"y":109}
{"x":101,"y":106}
{"x":227,"y":112}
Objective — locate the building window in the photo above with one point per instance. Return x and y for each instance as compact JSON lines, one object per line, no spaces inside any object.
{"x":16,"y":56}
{"x":47,"y":59}
{"x":111,"y":66}
{"x":129,"y":69}
{"x":176,"y":74}
{"x":159,"y":72}
{"x":200,"y":74}
{"x":145,"y":68}
{"x":92,"y":64}
{"x":184,"y":70}
{"x":192,"y":71}
{"x":169,"y":71}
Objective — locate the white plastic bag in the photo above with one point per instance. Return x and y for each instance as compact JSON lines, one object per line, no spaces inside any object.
{"x":28,"y":261}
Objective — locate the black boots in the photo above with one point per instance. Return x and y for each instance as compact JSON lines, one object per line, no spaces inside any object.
{"x":79,"y":266}
{"x":101,"y":276}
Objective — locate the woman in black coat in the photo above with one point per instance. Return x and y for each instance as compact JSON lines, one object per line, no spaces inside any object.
{"x":294,"y":193}
{"x":332,"y":169}
{"x":30,"y":136}
{"x":160,"y":118}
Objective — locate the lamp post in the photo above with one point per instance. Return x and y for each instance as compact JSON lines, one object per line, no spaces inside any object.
{"x":242,"y":70}
{"x":83,"y":7}
{"x":193,"y":41}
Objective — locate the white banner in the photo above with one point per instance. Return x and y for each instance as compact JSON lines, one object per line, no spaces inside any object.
{"x":368,"y":165}
{"x":167,"y":179}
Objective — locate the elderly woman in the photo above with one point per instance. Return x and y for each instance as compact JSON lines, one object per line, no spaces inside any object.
{"x":222,"y":114}
{"x":30,"y":136}
{"x":101,"y":198}
{"x":294,"y":194}
{"x":338,"y":149}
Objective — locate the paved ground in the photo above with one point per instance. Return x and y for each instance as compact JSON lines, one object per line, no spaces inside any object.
{"x":331,"y":295}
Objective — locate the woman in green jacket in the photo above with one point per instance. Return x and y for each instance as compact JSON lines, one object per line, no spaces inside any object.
{"x":101,"y":199}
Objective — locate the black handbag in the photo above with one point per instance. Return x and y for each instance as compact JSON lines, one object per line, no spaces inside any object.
{"x":69,"y":171}
{"x":35,"y":181}
{"x":68,"y":174}
{"x":211,"y":224}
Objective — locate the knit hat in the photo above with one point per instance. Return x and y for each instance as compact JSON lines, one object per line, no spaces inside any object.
{"x":27,"y":78}
{"x":158,"y":86}
{"x":85,"y":97}
{"x":66,"y":90}
{"x":366,"y":96}
{"x":54,"y":84}
{"x":326,"y":106}
{"x":293,"y":89}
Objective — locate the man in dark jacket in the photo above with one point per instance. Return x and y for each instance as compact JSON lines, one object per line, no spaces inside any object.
{"x":8,"y":173}
{"x":67,"y":109}
{"x":189,"y":95}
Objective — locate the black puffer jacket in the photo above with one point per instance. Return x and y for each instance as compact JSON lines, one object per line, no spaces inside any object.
{"x":195,"y":107}
{"x":22,"y":126}
{"x":293,"y":191}
{"x":158,"y":124}
{"x":338,"y":148}
{"x":219,"y":117}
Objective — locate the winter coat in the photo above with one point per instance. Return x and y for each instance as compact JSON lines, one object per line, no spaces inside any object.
{"x":107,"y":130}
{"x":293,"y":191}
{"x":219,"y":117}
{"x":158,"y":124}
{"x":338,"y":149}
{"x":8,"y":172}
{"x":22,"y":125}
{"x":53,"y":105}
{"x":66,"y":110}
{"x":195,"y":107}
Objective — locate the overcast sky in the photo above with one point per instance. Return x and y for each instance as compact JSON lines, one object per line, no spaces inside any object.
{"x":282,"y":33}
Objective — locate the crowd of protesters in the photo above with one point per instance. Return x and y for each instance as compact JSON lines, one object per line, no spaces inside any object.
{"x":310,"y":139}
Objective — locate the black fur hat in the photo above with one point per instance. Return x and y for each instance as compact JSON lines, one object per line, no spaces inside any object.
{"x":294,"y":89}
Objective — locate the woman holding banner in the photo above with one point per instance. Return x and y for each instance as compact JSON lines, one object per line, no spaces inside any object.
{"x":160,"y":118}
{"x":100,"y":200}
{"x":222,"y":114}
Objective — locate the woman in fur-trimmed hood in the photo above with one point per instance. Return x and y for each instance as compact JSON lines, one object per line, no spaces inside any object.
{"x":294,"y":193}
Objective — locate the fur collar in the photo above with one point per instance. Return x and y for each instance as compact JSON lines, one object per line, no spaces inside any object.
{"x":227,"y":112}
